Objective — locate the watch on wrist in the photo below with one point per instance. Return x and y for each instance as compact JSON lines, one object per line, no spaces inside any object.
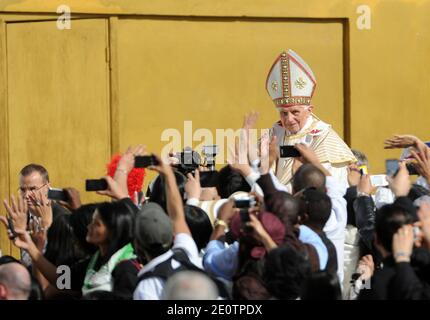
{"x":362,"y":194}
{"x":220,"y":222}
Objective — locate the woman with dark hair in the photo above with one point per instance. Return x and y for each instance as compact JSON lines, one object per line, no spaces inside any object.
{"x":111,"y":230}
{"x":79,"y":220}
{"x":157,"y":192}
{"x":200,"y":225}
{"x":62,"y":248}
{"x":111,"y":268}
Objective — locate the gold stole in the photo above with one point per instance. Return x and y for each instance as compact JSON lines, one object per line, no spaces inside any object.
{"x":328,"y":146}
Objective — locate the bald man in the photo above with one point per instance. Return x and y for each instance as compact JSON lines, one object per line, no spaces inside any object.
{"x":15,"y":282}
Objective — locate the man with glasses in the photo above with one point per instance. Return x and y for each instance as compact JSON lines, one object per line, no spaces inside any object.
{"x":33,"y":188}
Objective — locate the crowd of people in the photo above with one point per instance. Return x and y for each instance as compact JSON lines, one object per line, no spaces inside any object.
{"x":183,"y":241}
{"x":294,"y":215}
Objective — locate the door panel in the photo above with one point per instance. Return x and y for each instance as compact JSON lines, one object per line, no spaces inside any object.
{"x":58,"y":101}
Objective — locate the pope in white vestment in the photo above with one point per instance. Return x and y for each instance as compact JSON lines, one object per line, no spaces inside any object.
{"x":291,"y":84}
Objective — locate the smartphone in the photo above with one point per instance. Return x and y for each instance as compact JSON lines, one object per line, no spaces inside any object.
{"x":244,"y":215}
{"x":11,"y":228}
{"x":96,"y":184}
{"x":57,"y":194}
{"x":145,"y":161}
{"x":209,"y":179}
{"x":245,"y":203}
{"x":289,"y":152}
{"x":363,"y":169}
{"x":391,"y":167}
{"x":379,"y":180}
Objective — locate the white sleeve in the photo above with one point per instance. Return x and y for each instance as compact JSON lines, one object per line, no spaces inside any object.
{"x":339,"y":211}
{"x":186,"y":242}
{"x":193,"y":202}
{"x":252,"y":181}
{"x":335,"y":226}
{"x":149,"y":289}
{"x":340,"y":175}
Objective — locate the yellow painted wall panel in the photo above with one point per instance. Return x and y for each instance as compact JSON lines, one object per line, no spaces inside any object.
{"x":58,"y":101}
{"x":211,"y":72}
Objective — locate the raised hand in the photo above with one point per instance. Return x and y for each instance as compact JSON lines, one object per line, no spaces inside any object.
{"x":73,"y":199}
{"x":353,"y":175}
{"x":22,"y":239}
{"x":43,"y":208}
{"x":250,"y":120}
{"x":126,"y":163}
{"x":162,"y":167}
{"x":365,"y":185}
{"x":114,"y":190}
{"x":18,"y":211}
{"x":400,"y":184}
{"x":264,"y":154}
{"x":422,"y":158}
{"x":401,"y":141}
{"x":403,"y":243}
{"x":192,"y":187}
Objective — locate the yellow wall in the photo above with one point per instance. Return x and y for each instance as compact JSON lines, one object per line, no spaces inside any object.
{"x":206,"y":61}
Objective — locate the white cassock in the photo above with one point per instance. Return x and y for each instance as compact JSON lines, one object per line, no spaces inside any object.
{"x":330,"y":149}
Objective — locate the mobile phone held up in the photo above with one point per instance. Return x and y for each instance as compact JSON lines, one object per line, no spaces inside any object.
{"x":289,"y":152}
{"x":391,"y":167}
{"x":145,"y":161}
{"x":57,"y":194}
{"x":379,"y":180}
{"x":96,"y":185}
{"x":209,"y":179}
{"x":11,"y":228}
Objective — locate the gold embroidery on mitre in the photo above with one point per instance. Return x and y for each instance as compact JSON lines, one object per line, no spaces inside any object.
{"x":300,"y":83}
{"x":274,"y":85}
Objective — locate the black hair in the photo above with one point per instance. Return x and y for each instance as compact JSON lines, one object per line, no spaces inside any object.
{"x":8,"y":259}
{"x":119,"y":221}
{"x":389,"y":219}
{"x":417,"y":191}
{"x":285,"y":271}
{"x":284,"y":206}
{"x":33,"y":167}
{"x":316,"y":204}
{"x":322,"y":285}
{"x":158,"y":192}
{"x":80,"y":219}
{"x":61,"y":242}
{"x":200,"y":225}
{"x":308,"y":176}
{"x":230,"y":181}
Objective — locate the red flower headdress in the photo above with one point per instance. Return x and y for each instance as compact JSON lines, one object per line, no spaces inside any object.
{"x":135,"y":177}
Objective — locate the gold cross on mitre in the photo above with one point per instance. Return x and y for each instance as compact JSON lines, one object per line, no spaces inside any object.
{"x":300,"y":83}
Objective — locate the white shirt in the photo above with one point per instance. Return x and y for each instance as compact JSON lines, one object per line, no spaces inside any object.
{"x":152,"y":288}
{"x":336,"y":224}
